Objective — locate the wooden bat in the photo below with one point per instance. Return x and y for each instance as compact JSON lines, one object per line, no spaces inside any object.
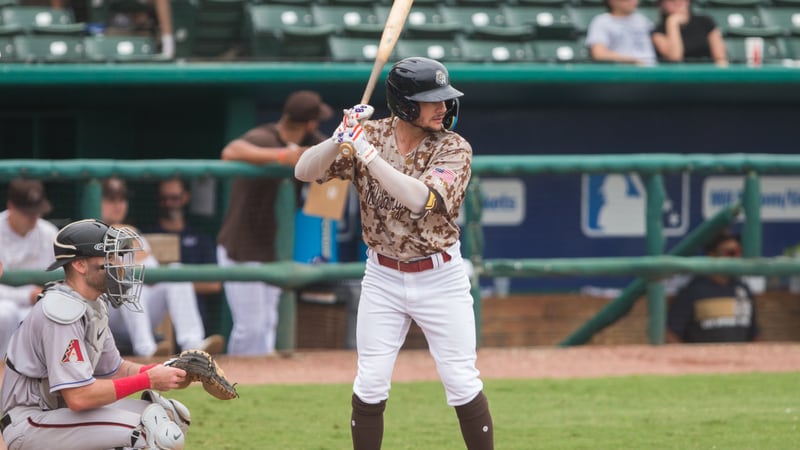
{"x":391,"y":33}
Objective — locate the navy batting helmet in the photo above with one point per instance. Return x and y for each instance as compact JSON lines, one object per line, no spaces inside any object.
{"x":418,"y":79}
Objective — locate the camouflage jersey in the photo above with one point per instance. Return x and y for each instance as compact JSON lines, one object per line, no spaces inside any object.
{"x":441,"y":161}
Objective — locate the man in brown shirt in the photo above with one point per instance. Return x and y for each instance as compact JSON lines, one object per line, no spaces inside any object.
{"x":247,"y":235}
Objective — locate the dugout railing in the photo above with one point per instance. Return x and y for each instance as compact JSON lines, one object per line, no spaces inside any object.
{"x":650,"y":268}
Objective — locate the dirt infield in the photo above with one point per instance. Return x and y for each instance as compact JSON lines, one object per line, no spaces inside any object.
{"x":338,"y":366}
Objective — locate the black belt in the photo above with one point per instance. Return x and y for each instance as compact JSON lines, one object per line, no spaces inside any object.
{"x":4,"y":422}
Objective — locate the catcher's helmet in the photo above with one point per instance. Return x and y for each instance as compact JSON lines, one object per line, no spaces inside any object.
{"x":90,"y":237}
{"x":418,"y":79}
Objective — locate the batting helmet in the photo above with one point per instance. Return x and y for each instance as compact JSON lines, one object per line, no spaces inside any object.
{"x":91,"y":237}
{"x":418,"y":79}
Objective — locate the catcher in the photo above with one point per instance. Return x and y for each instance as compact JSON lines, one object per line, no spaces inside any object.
{"x":65,"y":383}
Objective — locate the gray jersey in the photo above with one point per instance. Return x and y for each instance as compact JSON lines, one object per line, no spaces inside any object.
{"x":63,"y":343}
{"x":628,"y":35}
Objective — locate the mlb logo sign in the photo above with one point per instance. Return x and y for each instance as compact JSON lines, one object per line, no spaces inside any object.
{"x":613,"y":205}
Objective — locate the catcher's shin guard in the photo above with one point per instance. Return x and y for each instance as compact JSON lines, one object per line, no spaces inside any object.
{"x":177,"y":411}
{"x":159,"y":431}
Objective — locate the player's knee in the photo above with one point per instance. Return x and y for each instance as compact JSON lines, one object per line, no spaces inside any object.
{"x":177,"y":411}
{"x":363,"y":408}
{"x":159,"y":431}
{"x":372,"y":389}
{"x":462,"y":391}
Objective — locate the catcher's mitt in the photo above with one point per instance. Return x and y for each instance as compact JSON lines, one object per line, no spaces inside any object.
{"x":200,"y":366}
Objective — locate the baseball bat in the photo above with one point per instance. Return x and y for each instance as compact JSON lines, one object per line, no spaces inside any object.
{"x":391,"y":33}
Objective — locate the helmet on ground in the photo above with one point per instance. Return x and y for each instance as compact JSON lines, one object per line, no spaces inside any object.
{"x":90,"y":238}
{"x":417,"y":79}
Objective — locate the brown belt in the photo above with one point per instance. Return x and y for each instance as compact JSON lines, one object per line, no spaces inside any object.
{"x":418,"y":265}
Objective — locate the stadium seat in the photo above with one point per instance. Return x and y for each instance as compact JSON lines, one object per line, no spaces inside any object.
{"x":7,"y":49}
{"x":120,"y":49}
{"x":36,"y":48}
{"x":785,"y":18}
{"x":423,"y":21}
{"x":774,"y":49}
{"x":218,"y":27}
{"x":740,"y":21}
{"x":285,"y":30}
{"x":485,"y":22}
{"x":793,"y":47}
{"x":548,"y":22}
{"x":353,"y":20}
{"x":543,"y":2}
{"x":183,"y":26}
{"x":582,"y":16}
{"x":439,"y":49}
{"x":42,"y":20}
{"x":352,"y":49}
{"x":484,"y":50}
{"x":566,"y":51}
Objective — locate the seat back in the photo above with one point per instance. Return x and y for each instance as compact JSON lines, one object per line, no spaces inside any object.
{"x":32,"y":17}
{"x":119,"y":48}
{"x":35,"y":48}
{"x":565,"y":51}
{"x":548,"y":21}
{"x":438,"y":49}
{"x":498,"y":51}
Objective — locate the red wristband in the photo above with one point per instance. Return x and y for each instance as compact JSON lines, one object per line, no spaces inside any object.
{"x":132,"y":384}
{"x":282,"y":156}
{"x":147,"y":367}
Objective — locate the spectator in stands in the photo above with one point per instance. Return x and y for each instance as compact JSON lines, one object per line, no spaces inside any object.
{"x":135,"y":331}
{"x":147,"y":17}
{"x":26,"y":242}
{"x":621,"y":35}
{"x":196,"y":247}
{"x":681,"y":36}
{"x":714,"y":308}
{"x":247,"y":236}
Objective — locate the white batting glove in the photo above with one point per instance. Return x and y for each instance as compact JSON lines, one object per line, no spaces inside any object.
{"x":357,"y":137}
{"x":167,"y":46}
{"x":358,"y":114}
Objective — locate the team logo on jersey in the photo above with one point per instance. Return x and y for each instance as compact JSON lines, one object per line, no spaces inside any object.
{"x":73,"y":352}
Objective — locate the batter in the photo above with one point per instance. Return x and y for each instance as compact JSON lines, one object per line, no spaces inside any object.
{"x":411,"y":172}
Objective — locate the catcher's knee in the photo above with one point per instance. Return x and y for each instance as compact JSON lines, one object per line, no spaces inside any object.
{"x":159,"y":431}
{"x":177,"y":411}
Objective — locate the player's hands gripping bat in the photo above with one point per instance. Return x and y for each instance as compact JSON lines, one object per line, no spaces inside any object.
{"x":352,"y":117}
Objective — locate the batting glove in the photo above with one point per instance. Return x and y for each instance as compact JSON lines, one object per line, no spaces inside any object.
{"x":357,"y":114}
{"x":357,"y":137}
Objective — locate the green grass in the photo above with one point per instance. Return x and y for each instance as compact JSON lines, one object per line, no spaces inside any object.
{"x":743,"y":411}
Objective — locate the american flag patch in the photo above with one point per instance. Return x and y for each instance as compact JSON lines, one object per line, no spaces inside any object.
{"x":447,"y":175}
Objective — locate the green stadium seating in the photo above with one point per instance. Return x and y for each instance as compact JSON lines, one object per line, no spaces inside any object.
{"x":542,"y":2}
{"x":483,"y":50}
{"x":423,"y":21}
{"x":548,"y":22}
{"x":582,"y":16}
{"x":353,"y":20}
{"x":218,"y":27}
{"x":7,"y":49}
{"x":37,"y":48}
{"x":785,"y":18}
{"x":793,"y":47}
{"x":740,"y":21}
{"x":286,"y":30}
{"x":440,"y":49}
{"x":352,"y":49}
{"x":774,"y":49}
{"x":120,"y":49}
{"x":485,"y":22}
{"x":41,"y":20}
{"x":183,"y":26}
{"x":566,"y":51}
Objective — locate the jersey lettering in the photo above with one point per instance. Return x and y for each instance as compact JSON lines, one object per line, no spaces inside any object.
{"x":73,"y":352}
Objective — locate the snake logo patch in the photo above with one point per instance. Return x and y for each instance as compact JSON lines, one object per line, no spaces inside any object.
{"x":73,"y":353}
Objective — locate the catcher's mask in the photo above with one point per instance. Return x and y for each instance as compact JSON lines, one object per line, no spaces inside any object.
{"x":118,"y":246}
{"x":418,"y":79}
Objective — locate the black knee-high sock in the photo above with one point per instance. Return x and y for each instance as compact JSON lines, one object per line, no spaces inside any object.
{"x":366,"y":424}
{"x":476,"y":423}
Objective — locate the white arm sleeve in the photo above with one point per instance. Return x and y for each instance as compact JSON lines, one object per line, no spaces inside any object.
{"x":409,"y":191}
{"x":315,"y":160}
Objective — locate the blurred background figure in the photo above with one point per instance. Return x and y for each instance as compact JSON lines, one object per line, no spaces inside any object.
{"x":26,"y":242}
{"x":621,"y":35}
{"x":196,"y":247}
{"x":714,"y":308}
{"x":247,"y":236}
{"x":681,"y":36}
{"x":135,"y":332}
